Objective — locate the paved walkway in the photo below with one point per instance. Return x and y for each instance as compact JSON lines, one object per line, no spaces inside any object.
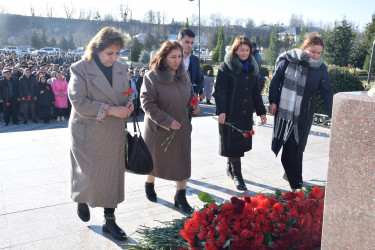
{"x":36,"y":211}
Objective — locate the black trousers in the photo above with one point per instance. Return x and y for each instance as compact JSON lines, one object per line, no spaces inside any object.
{"x":26,"y":107}
{"x":292,"y":162}
{"x":109,"y":210}
{"x":10,"y":110}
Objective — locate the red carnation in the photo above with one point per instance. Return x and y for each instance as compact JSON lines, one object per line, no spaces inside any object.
{"x":7,"y":104}
{"x":252,"y":132}
{"x":194,"y":101}
{"x":131,"y":90}
{"x":28,"y":98}
{"x":317,"y":192}
{"x":126,"y":93}
{"x":47,"y":87}
{"x":246,"y":135}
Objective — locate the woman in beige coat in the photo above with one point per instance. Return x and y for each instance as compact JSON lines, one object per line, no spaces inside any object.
{"x":97,"y":128}
{"x":165,"y":95}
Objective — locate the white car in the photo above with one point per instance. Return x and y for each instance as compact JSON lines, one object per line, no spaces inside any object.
{"x":50,"y":50}
{"x":11,"y":48}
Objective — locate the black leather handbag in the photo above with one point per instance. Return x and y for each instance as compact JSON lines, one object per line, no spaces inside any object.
{"x":138,"y":157}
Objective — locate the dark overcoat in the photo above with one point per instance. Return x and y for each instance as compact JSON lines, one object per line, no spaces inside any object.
{"x":317,"y":81}
{"x":164,"y":98}
{"x":237,"y":95}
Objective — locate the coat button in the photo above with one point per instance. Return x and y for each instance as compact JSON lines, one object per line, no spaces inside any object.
{"x":245,"y":100}
{"x":244,"y":111}
{"x":247,"y":77}
{"x":246,"y":89}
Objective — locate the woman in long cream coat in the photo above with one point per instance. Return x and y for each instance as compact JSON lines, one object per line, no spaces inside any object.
{"x":165,"y":95}
{"x":97,"y":128}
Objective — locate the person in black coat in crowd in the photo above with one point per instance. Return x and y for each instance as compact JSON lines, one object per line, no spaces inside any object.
{"x":300,"y":74}
{"x":236,"y":97}
{"x":45,"y":99}
{"x":9,"y":97}
{"x":138,"y":85}
{"x":28,"y":94}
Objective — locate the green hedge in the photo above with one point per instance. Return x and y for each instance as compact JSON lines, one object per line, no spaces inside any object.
{"x":206,"y":67}
{"x":342,"y":81}
{"x":264,"y":72}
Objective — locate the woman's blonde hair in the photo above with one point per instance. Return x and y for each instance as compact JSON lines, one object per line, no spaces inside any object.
{"x":105,"y":38}
{"x":311,"y":39}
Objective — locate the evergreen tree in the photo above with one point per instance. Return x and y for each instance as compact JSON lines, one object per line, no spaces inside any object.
{"x":186,"y":24}
{"x":144,"y":57}
{"x":233,"y":37}
{"x":64,"y":43}
{"x":52,"y":42}
{"x":288,"y":42}
{"x":71,"y":44}
{"x":222,"y":52}
{"x":35,"y":40}
{"x":301,"y":37}
{"x":43,"y":39}
{"x":220,"y":40}
{"x":135,"y":50}
{"x":149,"y":42}
{"x":358,"y":54}
{"x":274,"y":48}
{"x":368,"y":40}
{"x":338,"y":44}
{"x":213,"y":40}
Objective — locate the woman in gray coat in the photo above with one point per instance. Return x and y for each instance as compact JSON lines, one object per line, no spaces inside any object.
{"x":165,"y":95}
{"x":209,"y":81}
{"x":97,"y":128}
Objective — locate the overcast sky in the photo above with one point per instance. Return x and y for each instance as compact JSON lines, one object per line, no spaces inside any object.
{"x":267,"y":11}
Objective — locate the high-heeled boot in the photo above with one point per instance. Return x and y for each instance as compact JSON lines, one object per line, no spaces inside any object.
{"x":150,"y":191}
{"x":238,"y":179}
{"x":180,"y":201}
{"x":229,"y":170}
{"x":83,"y":212}
{"x":112,"y":228}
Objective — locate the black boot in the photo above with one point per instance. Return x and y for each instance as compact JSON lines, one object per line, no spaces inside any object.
{"x":111,"y":227}
{"x":229,"y":170}
{"x":238,"y":180}
{"x":180,"y":201}
{"x":83,"y":212}
{"x":150,"y":192}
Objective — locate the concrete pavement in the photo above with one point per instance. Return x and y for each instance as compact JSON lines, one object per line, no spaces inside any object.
{"x":36,"y":211}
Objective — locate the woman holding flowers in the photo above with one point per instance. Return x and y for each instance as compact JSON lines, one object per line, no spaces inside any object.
{"x":166,"y":95}
{"x":236,"y":97}
{"x":97,"y":128}
{"x":299,"y":75}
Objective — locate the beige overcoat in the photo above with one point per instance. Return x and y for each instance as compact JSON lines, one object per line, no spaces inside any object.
{"x":97,"y":151}
{"x":164,"y":98}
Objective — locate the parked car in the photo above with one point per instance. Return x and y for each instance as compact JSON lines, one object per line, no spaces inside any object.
{"x":22,"y":52}
{"x":78,"y":52}
{"x":11,"y":48}
{"x":50,"y":50}
{"x":124,"y":52}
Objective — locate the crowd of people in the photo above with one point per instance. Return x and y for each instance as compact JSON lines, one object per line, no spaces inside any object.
{"x":34,"y":87}
{"x":167,"y":93}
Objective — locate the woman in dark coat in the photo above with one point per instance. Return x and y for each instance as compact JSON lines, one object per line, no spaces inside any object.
{"x":299,"y":75}
{"x":45,"y":99}
{"x":236,"y":97}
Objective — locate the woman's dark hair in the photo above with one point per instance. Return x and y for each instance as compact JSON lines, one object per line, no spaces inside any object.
{"x":158,"y":62}
{"x":311,"y":39}
{"x":237,"y":43}
{"x":105,"y":38}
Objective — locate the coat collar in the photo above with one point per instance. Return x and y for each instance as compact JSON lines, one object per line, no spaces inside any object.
{"x":101,"y":82}
{"x":236,"y":66}
{"x":167,"y":76}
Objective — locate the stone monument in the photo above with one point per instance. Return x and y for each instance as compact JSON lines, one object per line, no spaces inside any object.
{"x":349,"y":208}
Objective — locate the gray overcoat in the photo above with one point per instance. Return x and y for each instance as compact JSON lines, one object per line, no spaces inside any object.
{"x":97,"y":151}
{"x":164,"y":98}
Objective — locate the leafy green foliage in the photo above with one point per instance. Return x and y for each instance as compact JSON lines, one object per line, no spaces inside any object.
{"x":205,"y":197}
{"x":222,"y":52}
{"x":302,"y":35}
{"x":264,"y":71}
{"x":338,"y":44}
{"x":64,"y":45}
{"x":135,"y":50}
{"x":186,"y":24}
{"x":206,"y":67}
{"x":274,"y":48}
{"x":368,"y":39}
{"x":342,"y":81}
{"x":144,"y":57}
{"x":358,"y":55}
{"x":220,"y":40}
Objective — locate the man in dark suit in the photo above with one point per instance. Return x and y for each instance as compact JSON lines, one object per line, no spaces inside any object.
{"x":9,"y":97}
{"x":186,"y":39}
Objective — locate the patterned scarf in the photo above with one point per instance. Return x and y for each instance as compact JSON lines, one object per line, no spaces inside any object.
{"x":292,"y":92}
